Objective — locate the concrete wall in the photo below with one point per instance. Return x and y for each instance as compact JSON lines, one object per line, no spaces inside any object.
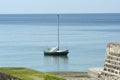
{"x":112,"y":59}
{"x":111,"y":69}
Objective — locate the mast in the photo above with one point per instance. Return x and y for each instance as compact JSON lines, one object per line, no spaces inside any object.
{"x":58,"y":32}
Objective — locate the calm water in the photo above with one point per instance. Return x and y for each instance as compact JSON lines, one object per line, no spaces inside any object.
{"x":24,"y":37}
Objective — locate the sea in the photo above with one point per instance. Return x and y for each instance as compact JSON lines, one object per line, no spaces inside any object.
{"x":24,"y":37}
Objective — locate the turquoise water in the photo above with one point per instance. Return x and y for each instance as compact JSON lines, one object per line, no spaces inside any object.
{"x":24,"y":37}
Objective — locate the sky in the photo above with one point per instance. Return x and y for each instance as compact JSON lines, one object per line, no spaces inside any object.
{"x":58,"y":6}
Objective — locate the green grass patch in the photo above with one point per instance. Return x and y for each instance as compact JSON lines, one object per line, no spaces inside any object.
{"x":23,"y":73}
{"x":53,"y":77}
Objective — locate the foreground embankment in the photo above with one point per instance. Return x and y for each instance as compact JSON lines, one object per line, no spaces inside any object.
{"x":18,"y":73}
{"x":13,"y":73}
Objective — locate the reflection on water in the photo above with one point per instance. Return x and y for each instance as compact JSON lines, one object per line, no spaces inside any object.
{"x":56,"y":62}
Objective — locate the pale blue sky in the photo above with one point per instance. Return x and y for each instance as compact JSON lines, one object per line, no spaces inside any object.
{"x":59,"y":6}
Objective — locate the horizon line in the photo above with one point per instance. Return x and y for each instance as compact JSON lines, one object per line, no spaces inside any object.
{"x":53,"y":13}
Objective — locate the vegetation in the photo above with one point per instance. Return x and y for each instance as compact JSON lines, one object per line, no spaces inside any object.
{"x":29,"y":74}
{"x":53,"y":77}
{"x":23,"y":73}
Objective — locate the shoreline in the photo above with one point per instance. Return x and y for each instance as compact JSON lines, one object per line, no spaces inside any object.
{"x":70,"y":75}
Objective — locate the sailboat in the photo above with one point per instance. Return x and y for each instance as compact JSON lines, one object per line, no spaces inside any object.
{"x":55,"y":51}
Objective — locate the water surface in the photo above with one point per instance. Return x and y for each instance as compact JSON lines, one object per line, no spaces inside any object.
{"x":23,"y":38}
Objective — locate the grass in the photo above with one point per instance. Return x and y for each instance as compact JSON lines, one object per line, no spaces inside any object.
{"x":53,"y":77}
{"x":29,"y":74}
{"x":23,"y":73}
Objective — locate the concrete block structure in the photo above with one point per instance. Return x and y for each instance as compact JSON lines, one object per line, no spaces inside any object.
{"x":111,"y":70}
{"x":112,"y":60}
{"x":95,"y":73}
